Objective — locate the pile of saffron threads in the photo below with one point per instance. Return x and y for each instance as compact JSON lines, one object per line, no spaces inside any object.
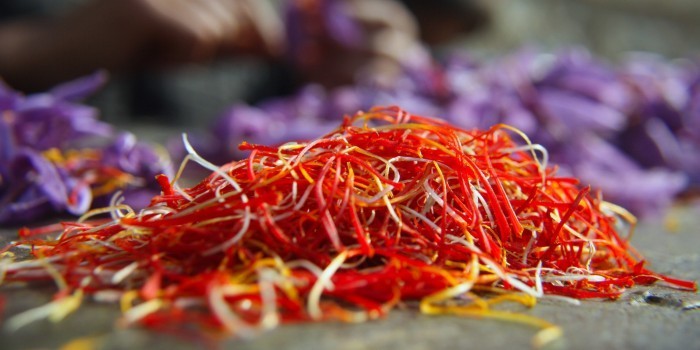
{"x":389,"y":208}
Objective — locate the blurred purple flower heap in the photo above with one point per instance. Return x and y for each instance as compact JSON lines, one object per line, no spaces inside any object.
{"x":56,"y":157}
{"x":618,"y":129}
{"x":632,"y":130}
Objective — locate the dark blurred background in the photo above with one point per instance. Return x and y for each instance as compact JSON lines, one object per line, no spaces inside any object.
{"x":195,"y":94}
{"x":607,"y":27}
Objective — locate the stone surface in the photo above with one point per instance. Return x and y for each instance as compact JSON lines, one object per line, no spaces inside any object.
{"x":644,"y":318}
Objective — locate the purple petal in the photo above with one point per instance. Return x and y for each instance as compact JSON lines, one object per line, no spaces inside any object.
{"x":80,"y":88}
{"x":35,"y":189}
{"x":579,"y":113}
{"x":30,"y":169}
{"x":645,"y":193}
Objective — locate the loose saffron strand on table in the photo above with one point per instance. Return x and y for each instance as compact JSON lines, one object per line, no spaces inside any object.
{"x":389,"y":207}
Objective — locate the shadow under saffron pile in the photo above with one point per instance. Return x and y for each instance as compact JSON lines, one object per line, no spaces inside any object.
{"x":388,"y":208}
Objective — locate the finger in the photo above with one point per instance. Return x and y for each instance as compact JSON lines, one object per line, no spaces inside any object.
{"x":179,"y":32}
{"x":382,"y":14}
{"x":390,"y":30}
{"x":398,"y":46}
{"x":267,"y":24}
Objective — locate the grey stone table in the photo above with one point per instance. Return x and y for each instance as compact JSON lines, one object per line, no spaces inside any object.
{"x":653,"y":317}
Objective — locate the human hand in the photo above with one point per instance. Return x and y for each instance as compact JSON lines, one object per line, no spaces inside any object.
{"x":196,"y":30}
{"x":332,"y":41}
{"x":131,"y":34}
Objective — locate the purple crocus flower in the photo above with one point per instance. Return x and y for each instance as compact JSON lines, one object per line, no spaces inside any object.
{"x":54,"y":152}
{"x":48,"y":120}
{"x":140,"y":162}
{"x":578,"y":72}
{"x":32,"y":188}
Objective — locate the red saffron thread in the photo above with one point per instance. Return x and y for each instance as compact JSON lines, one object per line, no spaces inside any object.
{"x":389,"y":207}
